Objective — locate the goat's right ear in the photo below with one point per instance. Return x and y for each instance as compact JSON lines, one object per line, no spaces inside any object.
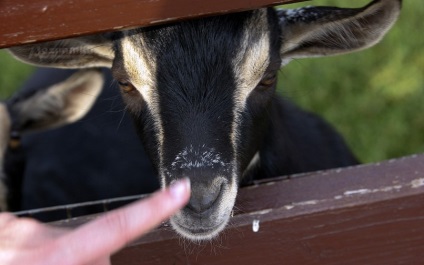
{"x":60,"y":104}
{"x":81,"y":52}
{"x":323,"y":31}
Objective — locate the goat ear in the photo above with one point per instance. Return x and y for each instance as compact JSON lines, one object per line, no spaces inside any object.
{"x":59,"y":104}
{"x":321,"y":31}
{"x":81,"y":52}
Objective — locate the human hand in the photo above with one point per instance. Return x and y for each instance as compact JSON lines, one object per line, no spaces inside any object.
{"x":29,"y":242}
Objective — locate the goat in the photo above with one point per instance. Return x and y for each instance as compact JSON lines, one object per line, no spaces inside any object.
{"x":202,"y":95}
{"x":99,"y":157}
{"x":55,"y":106}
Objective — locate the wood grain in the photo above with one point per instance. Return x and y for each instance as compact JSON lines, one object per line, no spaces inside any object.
{"x":369,"y":214}
{"x":23,"y":21}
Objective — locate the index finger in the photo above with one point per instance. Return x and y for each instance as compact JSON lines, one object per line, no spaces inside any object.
{"x":111,"y":232}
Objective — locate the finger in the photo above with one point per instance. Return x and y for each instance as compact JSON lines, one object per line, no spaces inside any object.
{"x":114,"y":230}
{"x":5,"y":218}
{"x":102,"y":261}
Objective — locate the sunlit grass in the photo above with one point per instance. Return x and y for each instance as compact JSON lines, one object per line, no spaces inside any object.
{"x":12,"y":74}
{"x":374,"y":97}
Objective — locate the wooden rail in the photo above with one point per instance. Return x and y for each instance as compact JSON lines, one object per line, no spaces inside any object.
{"x":369,"y":214}
{"x":23,"y":21}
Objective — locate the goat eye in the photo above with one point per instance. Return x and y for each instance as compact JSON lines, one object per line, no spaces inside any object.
{"x":267,"y":81}
{"x":126,"y":86}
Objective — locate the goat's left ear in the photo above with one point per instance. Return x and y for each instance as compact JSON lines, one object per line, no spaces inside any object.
{"x":79,"y":52}
{"x":60,"y":104}
{"x":321,"y":31}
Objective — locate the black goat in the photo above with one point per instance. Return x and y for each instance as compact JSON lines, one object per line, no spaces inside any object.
{"x":99,"y":157}
{"x":52,"y":107}
{"x":202,"y":95}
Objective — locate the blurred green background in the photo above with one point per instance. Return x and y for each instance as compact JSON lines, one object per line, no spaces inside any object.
{"x":374,"y":97}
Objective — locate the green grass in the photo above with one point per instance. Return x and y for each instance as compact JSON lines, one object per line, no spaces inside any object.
{"x":12,"y":74}
{"x":374,"y":98}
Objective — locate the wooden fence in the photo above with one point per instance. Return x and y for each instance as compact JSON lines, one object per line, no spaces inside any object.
{"x":370,"y":214}
{"x":23,"y":21}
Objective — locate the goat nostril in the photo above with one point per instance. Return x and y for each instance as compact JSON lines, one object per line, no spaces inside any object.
{"x":202,"y":202}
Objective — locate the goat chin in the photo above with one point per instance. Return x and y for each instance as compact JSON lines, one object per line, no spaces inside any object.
{"x":197,"y":235}
{"x":207,"y":225}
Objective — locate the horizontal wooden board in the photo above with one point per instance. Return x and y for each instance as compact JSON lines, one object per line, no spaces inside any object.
{"x":368,"y":214}
{"x":383,"y":232}
{"x":24,"y":21}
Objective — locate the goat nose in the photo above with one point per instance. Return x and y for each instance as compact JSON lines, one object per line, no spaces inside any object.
{"x":202,"y":200}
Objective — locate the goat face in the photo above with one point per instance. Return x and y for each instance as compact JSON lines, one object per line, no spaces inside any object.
{"x":189,"y":95}
{"x":199,"y":90}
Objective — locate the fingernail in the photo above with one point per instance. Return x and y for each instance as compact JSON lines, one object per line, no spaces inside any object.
{"x":178,"y":188}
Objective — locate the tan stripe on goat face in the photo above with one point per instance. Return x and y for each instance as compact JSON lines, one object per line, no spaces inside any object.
{"x":135,"y":65}
{"x":250,"y":64}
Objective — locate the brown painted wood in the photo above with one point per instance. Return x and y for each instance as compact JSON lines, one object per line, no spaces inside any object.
{"x":23,"y":21}
{"x":369,"y":214}
{"x":385,"y":232}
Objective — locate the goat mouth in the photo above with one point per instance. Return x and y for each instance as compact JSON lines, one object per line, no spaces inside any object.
{"x":206,"y":225}
{"x":196,"y":234}
{"x":202,"y":225}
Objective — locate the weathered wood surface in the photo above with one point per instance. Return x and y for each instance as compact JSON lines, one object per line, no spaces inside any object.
{"x":23,"y":21}
{"x":370,"y":214}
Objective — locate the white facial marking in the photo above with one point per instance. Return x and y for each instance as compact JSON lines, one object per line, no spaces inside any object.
{"x":250,"y":65}
{"x":200,"y":157}
{"x":141,"y":69}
